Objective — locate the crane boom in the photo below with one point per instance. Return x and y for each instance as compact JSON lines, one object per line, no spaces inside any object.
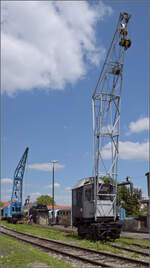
{"x":16,"y":209}
{"x":106,"y":107}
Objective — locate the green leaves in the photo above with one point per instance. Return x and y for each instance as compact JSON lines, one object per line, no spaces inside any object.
{"x":107,"y":180}
{"x":1,"y":204}
{"x":44,"y":200}
{"x":131,"y":203}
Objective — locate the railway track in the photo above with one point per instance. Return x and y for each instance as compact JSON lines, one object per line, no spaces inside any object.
{"x":136,"y":245}
{"x":84,"y":255}
{"x":139,"y":246}
{"x":68,"y":229}
{"x":139,"y":252}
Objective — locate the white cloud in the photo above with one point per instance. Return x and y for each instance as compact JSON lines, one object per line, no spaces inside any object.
{"x":68,"y":188}
{"x":44,"y":43}
{"x":6,"y":181}
{"x":129,"y":150}
{"x":138,"y":126}
{"x":108,"y":129}
{"x":44,"y":166}
{"x":64,"y":200}
{"x":6,"y":189}
{"x":56,"y":185}
{"x":6,"y":194}
{"x":31,"y":185}
{"x":33,"y":196}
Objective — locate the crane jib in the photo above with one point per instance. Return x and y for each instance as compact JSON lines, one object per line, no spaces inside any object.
{"x":15,"y":210}
{"x":106,"y":107}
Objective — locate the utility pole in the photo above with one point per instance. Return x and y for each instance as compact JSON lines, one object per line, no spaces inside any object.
{"x":53,"y":162}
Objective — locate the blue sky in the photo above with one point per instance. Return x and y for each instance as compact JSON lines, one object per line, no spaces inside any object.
{"x":52,"y":54}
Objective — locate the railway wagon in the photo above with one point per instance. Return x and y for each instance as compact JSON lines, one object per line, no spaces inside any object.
{"x":39,"y":214}
{"x":4,"y":212}
{"x":13,"y":212}
{"x":96,"y":220}
{"x":61,"y":217}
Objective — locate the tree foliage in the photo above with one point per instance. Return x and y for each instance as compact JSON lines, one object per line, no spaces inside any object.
{"x":1,"y":204}
{"x":107,"y":179}
{"x":144,"y":210}
{"x":131,"y":203}
{"x":44,"y":200}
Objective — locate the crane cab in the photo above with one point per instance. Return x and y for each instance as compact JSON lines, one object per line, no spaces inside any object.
{"x":95,"y":215}
{"x":84,"y":207}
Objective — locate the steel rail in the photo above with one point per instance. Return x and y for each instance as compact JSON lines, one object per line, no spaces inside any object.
{"x":91,"y":256}
{"x":131,"y":250}
{"x":140,"y":246}
{"x":68,"y":229}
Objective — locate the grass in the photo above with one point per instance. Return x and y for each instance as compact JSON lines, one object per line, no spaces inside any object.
{"x":134,"y":255}
{"x":129,"y":241}
{"x":57,"y":235}
{"x":19,"y":254}
{"x":73,"y":238}
{"x":122,"y":241}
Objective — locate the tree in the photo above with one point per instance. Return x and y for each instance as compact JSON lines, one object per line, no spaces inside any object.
{"x":1,"y":204}
{"x":107,"y":180}
{"x":44,"y":200}
{"x":144,"y":210}
{"x":131,"y":203}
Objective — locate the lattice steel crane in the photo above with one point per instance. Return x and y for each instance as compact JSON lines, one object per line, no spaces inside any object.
{"x":95,"y":207}
{"x":106,"y":107}
{"x":14,"y":211}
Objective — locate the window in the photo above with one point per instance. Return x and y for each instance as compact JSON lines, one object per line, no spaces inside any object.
{"x":105,"y":191}
{"x":74,"y":200}
{"x":79,"y":196}
{"x":88,"y":194}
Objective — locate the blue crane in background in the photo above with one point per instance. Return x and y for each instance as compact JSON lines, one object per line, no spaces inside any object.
{"x":14,"y":211}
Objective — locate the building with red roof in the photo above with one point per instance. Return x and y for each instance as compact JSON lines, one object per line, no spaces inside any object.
{"x":58,"y":207}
